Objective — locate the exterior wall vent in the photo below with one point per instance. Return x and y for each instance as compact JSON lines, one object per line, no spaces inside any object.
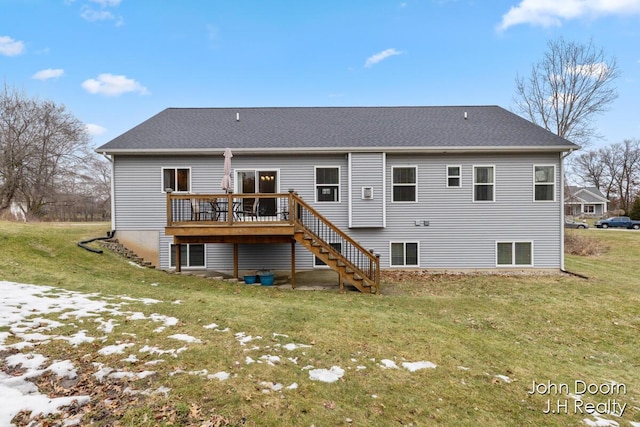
{"x":367,"y":193}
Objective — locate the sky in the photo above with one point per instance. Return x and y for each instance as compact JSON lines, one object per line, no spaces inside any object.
{"x":116,"y":63}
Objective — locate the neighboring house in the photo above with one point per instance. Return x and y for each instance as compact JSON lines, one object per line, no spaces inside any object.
{"x":585,"y":201}
{"x":441,"y":188}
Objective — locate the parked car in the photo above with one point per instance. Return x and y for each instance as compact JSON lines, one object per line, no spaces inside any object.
{"x":618,"y":221}
{"x":570,"y":223}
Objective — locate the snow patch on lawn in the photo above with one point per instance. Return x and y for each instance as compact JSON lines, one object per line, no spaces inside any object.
{"x":326,"y":375}
{"x":185,"y":337}
{"x":415,"y":366}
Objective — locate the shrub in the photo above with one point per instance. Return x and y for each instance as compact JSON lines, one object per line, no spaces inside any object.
{"x":577,"y":243}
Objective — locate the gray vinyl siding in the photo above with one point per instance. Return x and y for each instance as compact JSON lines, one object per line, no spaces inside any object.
{"x":461,"y":234}
{"x":141,"y":203}
{"x":367,"y":170}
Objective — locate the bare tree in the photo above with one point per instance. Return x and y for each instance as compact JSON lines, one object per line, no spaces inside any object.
{"x":615,"y":170}
{"x":628,"y":172}
{"x":39,"y":142}
{"x":567,"y":88}
{"x":592,"y":170}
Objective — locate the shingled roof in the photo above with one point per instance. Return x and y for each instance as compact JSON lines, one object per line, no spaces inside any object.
{"x":336,"y":129}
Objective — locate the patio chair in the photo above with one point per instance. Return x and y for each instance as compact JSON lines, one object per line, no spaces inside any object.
{"x":251,"y":211}
{"x":195,"y":210}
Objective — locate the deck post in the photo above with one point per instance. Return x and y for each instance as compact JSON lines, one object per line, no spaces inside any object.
{"x":235,"y":260}
{"x":291,"y":207}
{"x":178,"y":247}
{"x":371,"y":272}
{"x":230,"y":212}
{"x":169,"y":212}
{"x":293,"y":264}
{"x":377,"y":273}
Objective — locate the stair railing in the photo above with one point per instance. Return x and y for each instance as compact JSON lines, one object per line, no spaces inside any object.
{"x":363,"y":261}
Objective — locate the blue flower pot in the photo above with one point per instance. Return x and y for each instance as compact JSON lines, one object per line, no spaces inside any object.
{"x":250,"y":280}
{"x":266,"y":279}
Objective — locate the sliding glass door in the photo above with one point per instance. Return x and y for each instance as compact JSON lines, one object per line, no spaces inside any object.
{"x":258,"y":181}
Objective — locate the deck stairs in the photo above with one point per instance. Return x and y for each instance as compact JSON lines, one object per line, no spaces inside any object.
{"x":355,"y":265}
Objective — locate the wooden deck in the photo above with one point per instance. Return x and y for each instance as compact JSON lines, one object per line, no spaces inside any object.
{"x":268,"y":218}
{"x":230,"y":218}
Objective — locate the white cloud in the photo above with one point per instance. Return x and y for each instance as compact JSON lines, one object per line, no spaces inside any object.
{"x":92,"y":15}
{"x":107,"y":3}
{"x":10,"y":47}
{"x":112,"y":85}
{"x":547,"y":13}
{"x":596,"y":71}
{"x":374,"y":59}
{"x":95,"y":130}
{"x":88,"y":13}
{"x":47,"y":74}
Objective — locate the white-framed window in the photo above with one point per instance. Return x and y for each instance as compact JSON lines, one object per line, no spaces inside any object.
{"x":404,"y":254}
{"x":454,"y":176}
{"x":191,"y":255}
{"x":544,"y":183}
{"x":514,"y":254}
{"x":484,"y":182}
{"x":404,"y":183}
{"x":177,"y":179}
{"x":589,"y":209}
{"x":327,"y":183}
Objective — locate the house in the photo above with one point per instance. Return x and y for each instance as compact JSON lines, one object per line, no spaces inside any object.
{"x":442,"y":188}
{"x":585,"y":201}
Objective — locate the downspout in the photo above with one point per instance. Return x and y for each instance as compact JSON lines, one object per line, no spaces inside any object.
{"x":112,"y":191}
{"x":562,"y":157}
{"x":350,"y":190}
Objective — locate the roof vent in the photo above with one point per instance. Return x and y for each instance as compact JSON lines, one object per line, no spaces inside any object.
{"x":238,"y":117}
{"x":465,"y":115}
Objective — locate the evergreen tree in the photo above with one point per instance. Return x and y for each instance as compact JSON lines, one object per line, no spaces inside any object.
{"x":635,"y":209}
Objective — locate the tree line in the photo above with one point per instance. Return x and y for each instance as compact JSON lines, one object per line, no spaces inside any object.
{"x":47,"y":169}
{"x":615,"y":171}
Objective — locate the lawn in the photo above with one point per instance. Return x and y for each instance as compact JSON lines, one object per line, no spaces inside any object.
{"x":455,"y":350}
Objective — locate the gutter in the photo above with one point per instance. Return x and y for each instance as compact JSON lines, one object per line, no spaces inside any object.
{"x":342,"y":150}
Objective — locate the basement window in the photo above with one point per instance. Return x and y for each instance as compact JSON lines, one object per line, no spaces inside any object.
{"x":404,"y":254}
{"x":191,"y":255}
{"x":513,"y":254}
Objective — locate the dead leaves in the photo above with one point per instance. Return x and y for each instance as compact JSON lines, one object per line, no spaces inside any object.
{"x":112,"y":400}
{"x":329,"y":404}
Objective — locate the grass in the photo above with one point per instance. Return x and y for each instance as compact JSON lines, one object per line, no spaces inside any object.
{"x":542,"y":328}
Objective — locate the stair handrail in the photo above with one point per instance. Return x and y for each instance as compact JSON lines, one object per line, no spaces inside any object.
{"x":374,"y":259}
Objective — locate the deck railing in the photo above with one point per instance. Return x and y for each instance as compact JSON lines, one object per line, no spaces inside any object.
{"x":227,"y":209}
